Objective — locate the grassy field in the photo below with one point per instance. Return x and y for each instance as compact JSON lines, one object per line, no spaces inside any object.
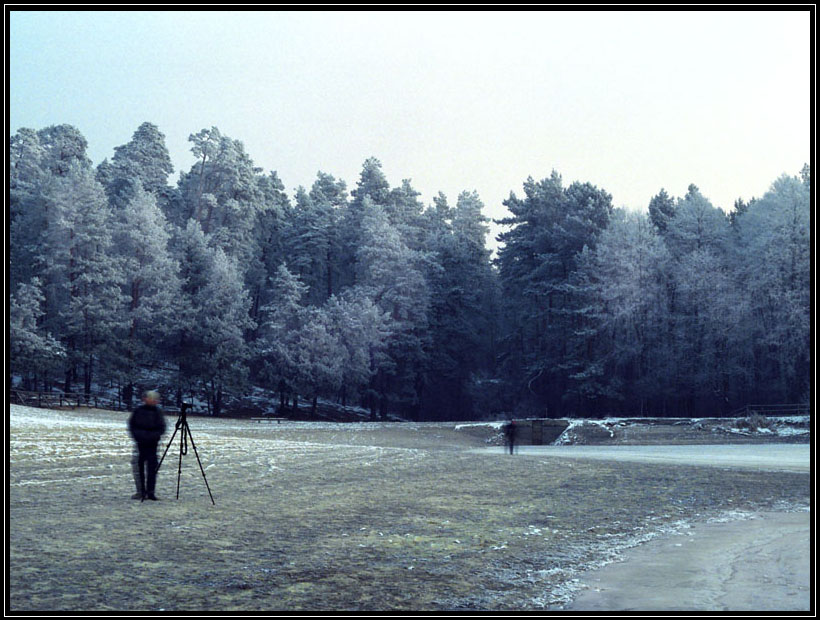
{"x":333,"y":517}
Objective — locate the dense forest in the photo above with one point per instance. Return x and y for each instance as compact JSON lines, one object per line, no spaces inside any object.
{"x":368,"y":297}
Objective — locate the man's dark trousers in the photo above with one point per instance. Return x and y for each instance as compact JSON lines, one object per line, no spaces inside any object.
{"x":147,"y":460}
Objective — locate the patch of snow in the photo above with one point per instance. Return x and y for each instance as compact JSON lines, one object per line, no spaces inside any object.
{"x":493,"y":425}
{"x":790,"y":431}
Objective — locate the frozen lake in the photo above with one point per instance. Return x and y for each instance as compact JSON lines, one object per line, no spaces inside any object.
{"x":765,"y":457}
{"x":758,"y":564}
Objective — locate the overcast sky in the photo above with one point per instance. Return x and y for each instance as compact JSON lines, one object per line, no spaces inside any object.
{"x":630,"y":101}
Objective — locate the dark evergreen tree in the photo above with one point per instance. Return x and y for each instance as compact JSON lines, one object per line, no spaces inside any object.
{"x":661,"y":210}
{"x":548,"y":230}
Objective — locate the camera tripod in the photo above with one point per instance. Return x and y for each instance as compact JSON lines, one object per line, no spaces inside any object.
{"x":182,"y":424}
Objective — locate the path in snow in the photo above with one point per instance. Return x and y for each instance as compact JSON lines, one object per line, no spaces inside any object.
{"x":767,"y":457}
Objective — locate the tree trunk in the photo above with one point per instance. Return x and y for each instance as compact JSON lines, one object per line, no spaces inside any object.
{"x":329,"y":276}
{"x":218,"y":401}
{"x":69,"y":378}
{"x":314,"y":406}
{"x":87,"y":372}
{"x":128,"y":394}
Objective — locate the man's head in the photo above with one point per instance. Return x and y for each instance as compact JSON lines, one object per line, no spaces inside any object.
{"x":151,"y":397}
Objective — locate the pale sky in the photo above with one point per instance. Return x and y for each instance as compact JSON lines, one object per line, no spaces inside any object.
{"x":630,"y":101}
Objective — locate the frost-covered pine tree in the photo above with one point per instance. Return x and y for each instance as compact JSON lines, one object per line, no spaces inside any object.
{"x":150,"y":283}
{"x":280,"y":324}
{"x":209,"y":333}
{"x":34,"y":354}
{"x":318,"y":355}
{"x":619,"y":355}
{"x":372,"y":184}
{"x":705,"y":304}
{"x":697,"y":225}
{"x":776,"y":271}
{"x":392,"y":275}
{"x":27,"y":209}
{"x":83,"y":275}
{"x":222,"y":316}
{"x":65,"y":149}
{"x":708,"y":320}
{"x":144,"y":159}
{"x":330,"y":199}
{"x":362,"y":330}
{"x":310,"y":244}
{"x":404,"y":211}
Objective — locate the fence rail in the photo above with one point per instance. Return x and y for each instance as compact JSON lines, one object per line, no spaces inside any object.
{"x":63,"y":399}
{"x":772,"y":410}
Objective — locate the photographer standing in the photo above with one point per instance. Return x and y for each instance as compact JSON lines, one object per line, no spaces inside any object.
{"x":147,"y":424}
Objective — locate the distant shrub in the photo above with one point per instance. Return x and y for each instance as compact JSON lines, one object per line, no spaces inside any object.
{"x":758,"y":421}
{"x":754,"y":423}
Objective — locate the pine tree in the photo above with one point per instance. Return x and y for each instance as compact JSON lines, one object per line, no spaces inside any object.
{"x":461,"y":325}
{"x":144,"y":159}
{"x":619,"y":351}
{"x":151,"y":285}
{"x":373,"y":186}
{"x":27,"y":209}
{"x":776,"y":270}
{"x":391,"y":274}
{"x":280,"y":325}
{"x":362,"y":330}
{"x":310,"y":245}
{"x":83,"y":277}
{"x":661,"y":210}
{"x":33,"y":352}
{"x":209,"y":333}
{"x":549,"y":229}
{"x":64,"y":149}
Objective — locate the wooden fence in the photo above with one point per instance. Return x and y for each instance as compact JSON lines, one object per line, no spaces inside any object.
{"x":63,"y":399}
{"x":772,"y":410}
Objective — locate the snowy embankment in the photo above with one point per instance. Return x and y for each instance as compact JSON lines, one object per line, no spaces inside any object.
{"x":783,"y":426}
{"x":790,"y":426}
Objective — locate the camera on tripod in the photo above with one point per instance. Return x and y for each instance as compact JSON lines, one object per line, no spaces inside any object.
{"x":185,"y":435}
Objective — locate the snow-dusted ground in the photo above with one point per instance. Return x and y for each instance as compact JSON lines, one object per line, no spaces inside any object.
{"x":69,"y":444}
{"x":45,"y":435}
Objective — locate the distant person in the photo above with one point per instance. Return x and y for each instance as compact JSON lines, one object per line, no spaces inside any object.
{"x":510,"y":432}
{"x":147,"y":424}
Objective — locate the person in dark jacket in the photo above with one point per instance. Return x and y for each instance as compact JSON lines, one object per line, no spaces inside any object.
{"x":147,"y":425}
{"x":510,"y":431}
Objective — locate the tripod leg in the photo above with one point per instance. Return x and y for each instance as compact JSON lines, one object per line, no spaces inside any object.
{"x":166,"y":448}
{"x":181,"y":450}
{"x":162,"y":459}
{"x":188,"y":430}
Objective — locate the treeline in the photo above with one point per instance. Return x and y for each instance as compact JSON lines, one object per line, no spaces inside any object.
{"x":370,"y":297}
